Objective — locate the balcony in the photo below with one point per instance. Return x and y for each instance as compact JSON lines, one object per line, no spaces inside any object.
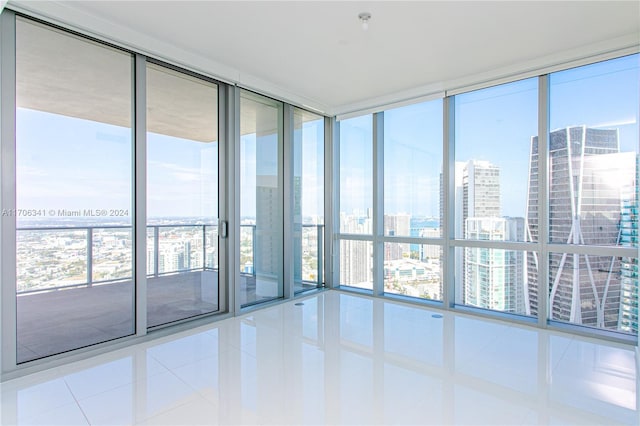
{"x":75,"y":285}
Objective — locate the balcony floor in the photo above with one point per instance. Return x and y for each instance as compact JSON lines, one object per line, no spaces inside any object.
{"x":58,"y":321}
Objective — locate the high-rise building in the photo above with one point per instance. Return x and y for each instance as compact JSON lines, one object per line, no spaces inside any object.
{"x":480,"y":191}
{"x":429,"y":251}
{"x":396,"y":224}
{"x":356,"y":262}
{"x":494,"y":277}
{"x":628,"y":316}
{"x":268,"y":240}
{"x":360,"y":222}
{"x":356,"y":257}
{"x":297,"y":224}
{"x":586,"y":172}
{"x":490,"y":278}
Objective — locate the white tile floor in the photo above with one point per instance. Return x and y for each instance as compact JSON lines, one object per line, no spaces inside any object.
{"x":340,"y":359}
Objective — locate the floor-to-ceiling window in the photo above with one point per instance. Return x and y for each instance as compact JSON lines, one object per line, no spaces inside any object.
{"x":308,"y":200}
{"x":75,"y":197}
{"x":593,"y":195}
{"x":523,"y":217}
{"x":74,"y":245}
{"x":494,"y":130}
{"x":87,"y":170}
{"x":412,"y":212}
{"x":261,"y":199}
{"x":182,"y":196}
{"x":356,"y":202}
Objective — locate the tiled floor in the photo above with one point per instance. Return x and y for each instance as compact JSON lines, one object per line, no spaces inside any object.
{"x":340,"y":359}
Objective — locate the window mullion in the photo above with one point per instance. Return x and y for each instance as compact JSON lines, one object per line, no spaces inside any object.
{"x":543,"y":200}
{"x":378,"y":204}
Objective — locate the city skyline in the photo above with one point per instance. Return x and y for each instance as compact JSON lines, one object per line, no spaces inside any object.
{"x":494,"y":131}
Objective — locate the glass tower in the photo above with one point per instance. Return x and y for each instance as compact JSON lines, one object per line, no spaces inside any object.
{"x":586,"y":171}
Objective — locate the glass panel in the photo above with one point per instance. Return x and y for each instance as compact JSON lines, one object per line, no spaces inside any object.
{"x":61,"y":260}
{"x":413,"y":270}
{"x":112,"y":251}
{"x":496,"y":194}
{"x":73,"y":192}
{"x":182,"y":196}
{"x":494,"y":132}
{"x":356,"y":175}
{"x":593,"y":191}
{"x":356,"y":264}
{"x":595,"y":291}
{"x":308,"y":200}
{"x":211,"y":247}
{"x":260,"y":199}
{"x":412,"y":168}
{"x":628,"y":316}
{"x":493,"y":278}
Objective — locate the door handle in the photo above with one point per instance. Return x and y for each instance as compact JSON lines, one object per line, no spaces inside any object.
{"x":224,"y":225}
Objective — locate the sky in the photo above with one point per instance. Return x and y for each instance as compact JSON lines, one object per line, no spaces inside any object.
{"x":66,"y":163}
{"x":494,"y":124}
{"x":58,"y":168}
{"x":70,"y":163}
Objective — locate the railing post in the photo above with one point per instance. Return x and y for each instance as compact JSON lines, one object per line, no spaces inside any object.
{"x":204,"y":247}
{"x":89,"y":256}
{"x":319,"y":236}
{"x":253,"y":249}
{"x":156,"y":250}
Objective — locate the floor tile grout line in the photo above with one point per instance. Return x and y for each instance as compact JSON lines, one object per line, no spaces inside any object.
{"x":189,"y":400}
{"x":197,"y":391}
{"x":76,"y":400}
{"x":564,"y":353}
{"x":132,"y":383}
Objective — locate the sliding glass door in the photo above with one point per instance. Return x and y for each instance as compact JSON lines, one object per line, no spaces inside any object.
{"x":182,"y":196}
{"x":261,"y":230}
{"x":74,"y":245}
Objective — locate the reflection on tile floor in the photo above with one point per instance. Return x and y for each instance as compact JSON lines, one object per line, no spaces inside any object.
{"x":340,"y":359}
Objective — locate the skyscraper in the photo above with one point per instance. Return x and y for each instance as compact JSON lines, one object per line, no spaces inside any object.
{"x":586,"y":172}
{"x":480,"y":191}
{"x":396,"y":224}
{"x":628,"y":316}
{"x":356,"y":263}
{"x":494,"y":277}
{"x":268,"y":241}
{"x":491,"y":278}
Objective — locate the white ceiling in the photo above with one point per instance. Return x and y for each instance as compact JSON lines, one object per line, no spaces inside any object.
{"x":316,"y":53}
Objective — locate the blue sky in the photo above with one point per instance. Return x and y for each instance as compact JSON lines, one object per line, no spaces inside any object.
{"x":181,"y":177}
{"x":69,"y":163}
{"x":494,"y":124}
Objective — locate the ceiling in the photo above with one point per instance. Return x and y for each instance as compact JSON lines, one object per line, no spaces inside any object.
{"x":316,"y":54}
{"x":71,"y":76}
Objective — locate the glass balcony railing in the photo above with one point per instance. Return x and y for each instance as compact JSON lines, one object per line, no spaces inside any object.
{"x":308,"y":253}
{"x":53,"y":258}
